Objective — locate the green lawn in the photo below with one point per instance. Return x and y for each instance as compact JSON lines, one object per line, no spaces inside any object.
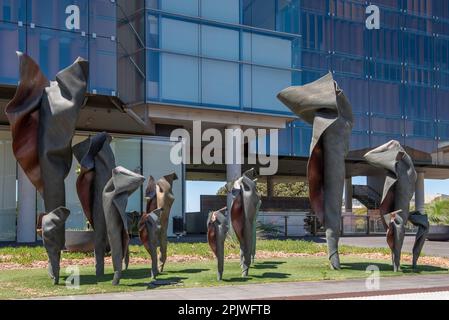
{"x":29,"y":283}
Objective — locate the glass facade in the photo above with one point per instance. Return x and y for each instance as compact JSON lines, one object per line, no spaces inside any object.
{"x":237,"y":55}
{"x":39,"y":28}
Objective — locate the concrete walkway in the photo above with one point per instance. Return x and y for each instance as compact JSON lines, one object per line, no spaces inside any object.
{"x":401,"y":285}
{"x":431,"y":248}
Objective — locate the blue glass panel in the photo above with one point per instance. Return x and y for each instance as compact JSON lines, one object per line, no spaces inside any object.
{"x":103,"y":66}
{"x":377,"y":140}
{"x":179,"y":36}
{"x":359,"y":144}
{"x":52,"y":13}
{"x":271,"y":51}
{"x":152,"y":31}
{"x":13,"y":39}
{"x":227,"y":11}
{"x":55,"y":50}
{"x":220,"y":83}
{"x":301,"y":137}
{"x":418,"y":103}
{"x":385,"y":98}
{"x":441,"y":100}
{"x":179,"y":77}
{"x":386,"y":45}
{"x":153,"y":75}
{"x":247,"y":87}
{"x":219,"y":43}
{"x":186,"y":7}
{"x":12,"y":10}
{"x":353,"y":44}
{"x":103,"y":18}
{"x":260,"y":13}
{"x":267,"y":83}
{"x":288,"y":16}
{"x":285,"y":142}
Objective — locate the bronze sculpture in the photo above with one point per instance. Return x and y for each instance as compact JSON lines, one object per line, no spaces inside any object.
{"x":159,"y":195}
{"x":43,"y":116}
{"x":217,"y":231}
{"x":398,"y":190}
{"x":149,"y":234}
{"x":245,"y":205}
{"x":97,"y":162}
{"x":122,"y":184}
{"x":323,"y":105}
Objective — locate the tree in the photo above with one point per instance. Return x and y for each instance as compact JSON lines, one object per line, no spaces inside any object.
{"x":438,"y":212}
{"x":291,"y":189}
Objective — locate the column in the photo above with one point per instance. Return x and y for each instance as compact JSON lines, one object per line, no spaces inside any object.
{"x":419,"y":192}
{"x":270,"y":187}
{"x":233,"y":168}
{"x":348,"y":194}
{"x":26,"y":218}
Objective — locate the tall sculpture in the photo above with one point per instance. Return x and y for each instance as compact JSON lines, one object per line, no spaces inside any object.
{"x":43,"y":116}
{"x":115,"y":199}
{"x":245,"y":204}
{"x":159,"y":195}
{"x":323,"y":105}
{"x":149,"y":234}
{"x":97,"y":162}
{"x":398,"y":190}
{"x":217,"y":231}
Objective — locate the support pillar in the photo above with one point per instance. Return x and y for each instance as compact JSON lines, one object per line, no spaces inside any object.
{"x":26,"y":218}
{"x":233,"y":167}
{"x":419,"y":192}
{"x":348,"y":194}
{"x":270,"y":187}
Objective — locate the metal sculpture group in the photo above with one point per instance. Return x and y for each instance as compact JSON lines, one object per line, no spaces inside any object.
{"x":43,"y":116}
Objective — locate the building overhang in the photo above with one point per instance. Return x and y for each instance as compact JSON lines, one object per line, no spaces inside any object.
{"x":180,"y":115}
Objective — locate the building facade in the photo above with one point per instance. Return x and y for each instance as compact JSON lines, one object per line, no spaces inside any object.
{"x":157,"y":65}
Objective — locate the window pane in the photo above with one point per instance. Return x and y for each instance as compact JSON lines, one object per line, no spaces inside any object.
{"x":8,"y":195}
{"x":52,"y":14}
{"x":13,"y":39}
{"x":103,"y":66}
{"x":187,"y":7}
{"x":12,"y":10}
{"x":127,"y":154}
{"x":227,"y":11}
{"x":259,"y":13}
{"x":271,"y":51}
{"x":103,"y":20}
{"x":55,"y":50}
{"x":220,"y":83}
{"x":267,"y":83}
{"x":179,"y":78}
{"x":179,"y":36}
{"x":220,"y":43}
{"x":155,"y":154}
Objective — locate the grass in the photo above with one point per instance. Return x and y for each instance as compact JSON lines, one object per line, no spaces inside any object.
{"x":34,"y":283}
{"x":28,"y":255}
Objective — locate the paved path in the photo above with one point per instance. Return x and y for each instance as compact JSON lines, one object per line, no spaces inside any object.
{"x":431,"y":248}
{"x":392,"y":286}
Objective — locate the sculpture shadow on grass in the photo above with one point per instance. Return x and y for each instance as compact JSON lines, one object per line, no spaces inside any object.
{"x":191,"y":271}
{"x":136,"y":274}
{"x":268,"y":264}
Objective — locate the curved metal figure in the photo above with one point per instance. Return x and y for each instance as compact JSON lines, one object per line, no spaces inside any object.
{"x":323,"y":104}
{"x":97,"y":162}
{"x":115,"y":199}
{"x":217,"y":231}
{"x":149,"y":234}
{"x":43,"y":116}
{"x":243,"y":216}
{"x":53,"y":236}
{"x":159,"y":195}
{"x":398,"y":190}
